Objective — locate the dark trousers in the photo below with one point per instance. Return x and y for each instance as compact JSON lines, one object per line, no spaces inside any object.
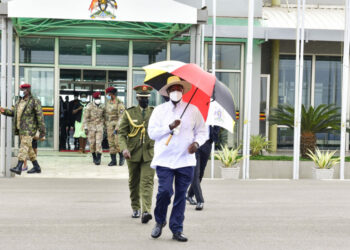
{"x":202,"y":156}
{"x":183,"y":178}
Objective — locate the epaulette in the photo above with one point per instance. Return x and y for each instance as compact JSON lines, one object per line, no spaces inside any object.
{"x":131,"y":107}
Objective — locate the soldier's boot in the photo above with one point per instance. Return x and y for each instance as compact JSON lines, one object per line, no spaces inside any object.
{"x":94,"y":157}
{"x":98,"y":159}
{"x":36,"y":168}
{"x":121,"y":159}
{"x":114,"y":160}
{"x":18,"y":168}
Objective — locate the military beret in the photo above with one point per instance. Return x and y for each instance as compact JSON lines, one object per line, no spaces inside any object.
{"x":96,"y":95}
{"x":25,"y":86}
{"x":143,"y":90}
{"x":111,"y":90}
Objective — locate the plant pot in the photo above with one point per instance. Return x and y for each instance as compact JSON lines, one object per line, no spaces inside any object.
{"x":230,"y":173}
{"x":322,"y":174}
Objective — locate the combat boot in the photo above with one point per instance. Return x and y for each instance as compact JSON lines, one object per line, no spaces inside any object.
{"x":114,"y":160}
{"x":98,"y":159}
{"x":121,"y":159}
{"x":18,"y":168}
{"x":36,"y":168}
{"x":94,"y":157}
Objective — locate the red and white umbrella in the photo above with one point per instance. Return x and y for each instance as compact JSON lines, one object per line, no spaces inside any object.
{"x":208,"y":94}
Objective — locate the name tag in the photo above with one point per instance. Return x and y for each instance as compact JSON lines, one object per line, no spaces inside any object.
{"x":134,"y":120}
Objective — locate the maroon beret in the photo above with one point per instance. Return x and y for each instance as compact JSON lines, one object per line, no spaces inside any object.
{"x":25,"y":86}
{"x":96,"y":95}
{"x":110,"y":89}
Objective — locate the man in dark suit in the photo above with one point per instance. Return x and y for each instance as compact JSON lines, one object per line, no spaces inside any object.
{"x":202,"y":156}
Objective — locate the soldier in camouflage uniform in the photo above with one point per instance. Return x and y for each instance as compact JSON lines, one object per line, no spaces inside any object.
{"x":28,"y":119}
{"x":137,"y":148}
{"x":113,"y":111}
{"x":93,"y":120}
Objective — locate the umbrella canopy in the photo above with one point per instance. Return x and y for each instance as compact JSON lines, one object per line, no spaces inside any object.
{"x":212,"y":97}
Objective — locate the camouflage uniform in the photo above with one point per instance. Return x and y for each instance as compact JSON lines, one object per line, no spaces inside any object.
{"x":28,"y":119}
{"x":94,"y":118}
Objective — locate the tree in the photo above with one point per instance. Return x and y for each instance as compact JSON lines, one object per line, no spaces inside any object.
{"x":322,"y":119}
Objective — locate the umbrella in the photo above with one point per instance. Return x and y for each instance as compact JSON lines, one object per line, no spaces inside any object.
{"x":213,"y":99}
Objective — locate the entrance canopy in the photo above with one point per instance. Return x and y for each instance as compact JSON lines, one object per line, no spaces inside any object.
{"x":124,"y":19}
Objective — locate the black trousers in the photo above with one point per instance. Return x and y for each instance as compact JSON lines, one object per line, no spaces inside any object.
{"x":202,"y":156}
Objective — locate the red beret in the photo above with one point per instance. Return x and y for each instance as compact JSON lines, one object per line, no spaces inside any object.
{"x":96,"y":95}
{"x":25,"y":86}
{"x":110,"y":89}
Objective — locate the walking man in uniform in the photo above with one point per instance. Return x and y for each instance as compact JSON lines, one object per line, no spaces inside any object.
{"x":28,"y":119}
{"x":113,"y":111}
{"x":94,"y":118}
{"x":137,"y":148}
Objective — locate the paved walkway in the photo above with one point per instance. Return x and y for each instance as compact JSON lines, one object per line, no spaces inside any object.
{"x":62,"y":213}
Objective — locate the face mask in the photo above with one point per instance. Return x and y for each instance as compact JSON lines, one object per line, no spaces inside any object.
{"x":97,"y":101}
{"x":21,"y":93}
{"x":108,"y":97}
{"x":175,"y":96}
{"x":143,"y":102}
{"x":83,"y":99}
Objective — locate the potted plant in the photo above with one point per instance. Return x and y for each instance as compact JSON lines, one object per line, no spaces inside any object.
{"x":259,"y":143}
{"x":324,"y":162}
{"x":229,"y":159}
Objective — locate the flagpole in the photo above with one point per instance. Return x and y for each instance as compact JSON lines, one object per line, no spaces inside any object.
{"x":213,"y":65}
{"x":248,"y":92}
{"x":344,"y":89}
{"x":299,"y":65}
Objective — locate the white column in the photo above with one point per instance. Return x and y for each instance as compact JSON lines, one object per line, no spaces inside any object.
{"x":3,"y":97}
{"x":9,"y":97}
{"x":248,"y":92}
{"x":344,"y":90}
{"x":213,"y":68}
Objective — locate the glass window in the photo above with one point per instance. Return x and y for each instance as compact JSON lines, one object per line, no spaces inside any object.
{"x":94,"y":75}
{"x":70,"y":75}
{"x":118,"y":79}
{"x":42,"y":81}
{"x":148,"y":52}
{"x":180,"y":52}
{"x":286,"y":85}
{"x":137,"y":79}
{"x":232,"y":81}
{"x":75,"y":51}
{"x":328,"y":80}
{"x":227,"y":56}
{"x":112,"y":53}
{"x":36,"y":50}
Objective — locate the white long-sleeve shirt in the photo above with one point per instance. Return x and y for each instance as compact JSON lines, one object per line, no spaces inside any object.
{"x":192,"y":129}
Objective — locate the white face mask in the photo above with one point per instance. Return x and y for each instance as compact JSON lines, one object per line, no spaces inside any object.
{"x":83,"y":99}
{"x":97,"y":101}
{"x":175,"y":96}
{"x":21,"y":93}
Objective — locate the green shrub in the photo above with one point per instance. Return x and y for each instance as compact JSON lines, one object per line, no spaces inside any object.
{"x":257,"y":144}
{"x":228,"y":157}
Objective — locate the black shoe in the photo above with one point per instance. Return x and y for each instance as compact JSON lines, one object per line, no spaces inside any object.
{"x":36,"y":168}
{"x":121,"y":159}
{"x":94,"y":157}
{"x":135,"y":214}
{"x":18,"y":168}
{"x":199,"y":206}
{"x":98,"y":159}
{"x":146,"y":217}
{"x":114,"y":160}
{"x":191,"y":200}
{"x":157,"y":230}
{"x":179,"y":236}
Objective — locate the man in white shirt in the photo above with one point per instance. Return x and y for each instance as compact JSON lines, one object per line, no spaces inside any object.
{"x":177,"y":159}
